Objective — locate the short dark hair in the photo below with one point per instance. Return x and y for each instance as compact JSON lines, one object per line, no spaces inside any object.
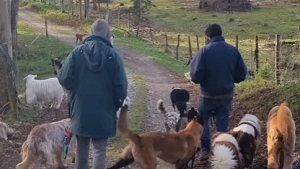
{"x":213,"y":30}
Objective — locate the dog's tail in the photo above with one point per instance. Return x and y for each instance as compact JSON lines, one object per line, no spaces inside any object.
{"x":223,"y":157}
{"x":160,"y":106}
{"x":283,"y":116}
{"x":123,"y":128}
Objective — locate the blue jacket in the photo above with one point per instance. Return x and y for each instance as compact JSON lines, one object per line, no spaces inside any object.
{"x":217,"y":66}
{"x":95,"y":76}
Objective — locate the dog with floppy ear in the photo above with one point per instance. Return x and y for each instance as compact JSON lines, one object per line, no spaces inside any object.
{"x":5,"y":131}
{"x":248,"y":135}
{"x":225,"y":152}
{"x":175,"y":148}
{"x":281,"y":137}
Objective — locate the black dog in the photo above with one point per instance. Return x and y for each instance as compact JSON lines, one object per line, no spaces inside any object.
{"x":179,"y":98}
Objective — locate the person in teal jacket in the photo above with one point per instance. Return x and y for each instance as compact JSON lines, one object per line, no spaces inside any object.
{"x":94,"y":75}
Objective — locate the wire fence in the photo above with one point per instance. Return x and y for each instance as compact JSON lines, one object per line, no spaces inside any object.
{"x":276,"y":58}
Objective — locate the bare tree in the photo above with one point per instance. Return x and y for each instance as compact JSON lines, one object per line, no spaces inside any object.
{"x":72,"y":7}
{"x":63,"y":6}
{"x":86,"y":8}
{"x":80,"y":9}
{"x":14,"y":21}
{"x":94,"y":4}
{"x":5,"y":31}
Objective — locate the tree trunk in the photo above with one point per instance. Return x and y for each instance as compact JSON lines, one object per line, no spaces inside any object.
{"x":84,"y":3}
{"x":72,"y":7}
{"x":94,"y":4}
{"x":80,"y":9}
{"x":5,"y":31}
{"x":54,"y":2}
{"x":63,"y":6}
{"x":107,"y":11}
{"x":87,"y":9}
{"x":99,"y":6}
{"x":14,"y":21}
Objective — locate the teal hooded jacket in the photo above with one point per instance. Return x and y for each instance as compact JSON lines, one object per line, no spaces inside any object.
{"x":94,"y":75}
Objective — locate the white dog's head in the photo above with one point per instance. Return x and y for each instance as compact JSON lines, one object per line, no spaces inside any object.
{"x":5,"y":131}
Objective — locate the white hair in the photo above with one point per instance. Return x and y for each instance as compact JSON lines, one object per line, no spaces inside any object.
{"x":43,"y":91}
{"x":246,"y":128}
{"x":127,"y":102}
{"x":223,"y":156}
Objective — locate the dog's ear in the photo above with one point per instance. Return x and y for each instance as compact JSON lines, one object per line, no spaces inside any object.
{"x":59,"y":58}
{"x":52,"y":61}
{"x":234,"y":134}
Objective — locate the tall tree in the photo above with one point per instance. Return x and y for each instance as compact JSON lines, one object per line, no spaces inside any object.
{"x":5,"y":31}
{"x":72,"y":7}
{"x":63,"y":6}
{"x":80,"y":9}
{"x":94,"y":4}
{"x":14,"y":21}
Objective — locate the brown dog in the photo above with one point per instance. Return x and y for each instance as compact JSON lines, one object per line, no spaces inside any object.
{"x":281,"y":137}
{"x":175,"y":148}
{"x":5,"y":131}
{"x":79,"y":37}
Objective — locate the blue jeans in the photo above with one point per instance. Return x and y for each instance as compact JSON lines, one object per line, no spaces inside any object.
{"x":220,"y":108}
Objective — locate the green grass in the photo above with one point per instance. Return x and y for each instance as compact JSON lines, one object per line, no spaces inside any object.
{"x":135,"y":119}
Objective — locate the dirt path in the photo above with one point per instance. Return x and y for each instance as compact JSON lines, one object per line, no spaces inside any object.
{"x":159,"y":81}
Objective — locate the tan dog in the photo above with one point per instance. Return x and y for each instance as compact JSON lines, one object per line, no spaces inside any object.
{"x":79,"y":37}
{"x":175,"y":148}
{"x":45,"y":140}
{"x":5,"y":131}
{"x":281,"y":137}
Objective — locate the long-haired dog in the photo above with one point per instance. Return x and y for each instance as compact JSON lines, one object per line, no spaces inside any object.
{"x":172,"y":120}
{"x":175,"y":148}
{"x":248,"y":135}
{"x":179,"y":98}
{"x":45,"y":140}
{"x":281,"y":137}
{"x":5,"y":131}
{"x":225,"y":152}
{"x":79,"y":37}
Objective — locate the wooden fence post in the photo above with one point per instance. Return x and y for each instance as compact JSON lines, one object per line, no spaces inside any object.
{"x":190,"y":48}
{"x":137,"y":31}
{"x":151,"y":36}
{"x":197,"y":37}
{"x":128,"y":21}
{"x":177,"y":47}
{"x":256,"y":57}
{"x":237,"y":41}
{"x":167,"y":44}
{"x":277,"y":59}
{"x":118,"y":16}
{"x":46,"y":27}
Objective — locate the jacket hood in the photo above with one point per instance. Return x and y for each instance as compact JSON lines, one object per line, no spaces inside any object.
{"x":101,"y":28}
{"x":97,"y":45}
{"x":216,"y":39}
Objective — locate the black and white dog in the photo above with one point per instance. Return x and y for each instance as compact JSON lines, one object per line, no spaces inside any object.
{"x":248,"y":135}
{"x":179,"y":98}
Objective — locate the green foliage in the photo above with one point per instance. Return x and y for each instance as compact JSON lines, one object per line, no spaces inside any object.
{"x":264,"y":72}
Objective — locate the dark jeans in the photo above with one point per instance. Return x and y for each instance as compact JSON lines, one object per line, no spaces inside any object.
{"x":220,"y":108}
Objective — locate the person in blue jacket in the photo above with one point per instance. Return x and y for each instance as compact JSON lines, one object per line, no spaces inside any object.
{"x":95,"y":76}
{"x":217,"y":66}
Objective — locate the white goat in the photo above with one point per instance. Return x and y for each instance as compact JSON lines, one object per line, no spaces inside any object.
{"x":43,"y":91}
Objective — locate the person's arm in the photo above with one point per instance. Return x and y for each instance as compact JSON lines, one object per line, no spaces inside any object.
{"x":66,"y":73}
{"x":240,"y":70}
{"x":119,"y":82}
{"x":198,"y":67}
